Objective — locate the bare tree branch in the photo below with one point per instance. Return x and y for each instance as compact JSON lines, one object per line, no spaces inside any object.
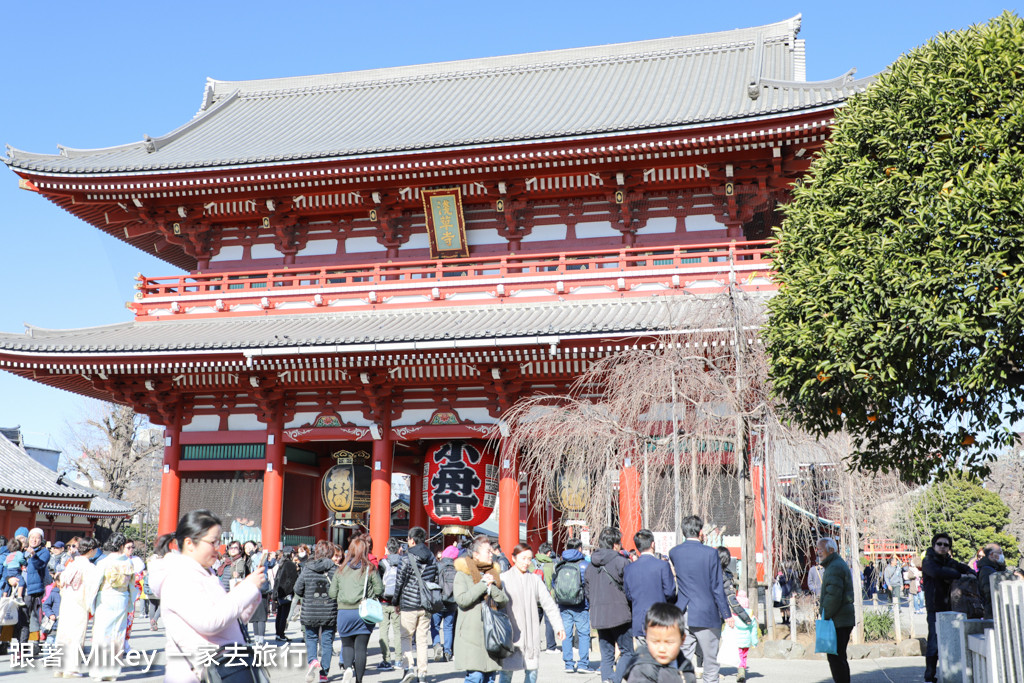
{"x":117,"y":456}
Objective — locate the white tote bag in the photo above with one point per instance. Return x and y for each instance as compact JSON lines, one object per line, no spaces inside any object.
{"x":729,"y":647}
{"x":8,"y":612}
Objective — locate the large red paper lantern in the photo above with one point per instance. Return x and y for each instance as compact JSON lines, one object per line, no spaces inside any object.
{"x":460,"y":485}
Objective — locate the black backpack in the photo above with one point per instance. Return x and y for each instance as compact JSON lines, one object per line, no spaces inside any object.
{"x":567,"y":583}
{"x":446,"y":572}
{"x":965,"y":597}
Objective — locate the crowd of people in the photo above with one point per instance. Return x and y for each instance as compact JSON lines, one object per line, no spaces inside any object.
{"x":59,"y":588}
{"x":657,"y":618}
{"x":431,"y":603}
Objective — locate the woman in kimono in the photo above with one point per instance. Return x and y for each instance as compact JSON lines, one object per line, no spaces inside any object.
{"x":74,"y":612}
{"x":115,"y":593}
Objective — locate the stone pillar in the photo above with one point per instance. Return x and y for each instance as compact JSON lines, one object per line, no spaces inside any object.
{"x":273,"y":483}
{"x":951,"y":637}
{"x":417,"y":510}
{"x":170,"y":482}
{"x":508,"y":500}
{"x":380,"y":491}
{"x":629,"y":504}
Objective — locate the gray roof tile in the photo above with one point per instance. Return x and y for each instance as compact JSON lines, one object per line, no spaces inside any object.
{"x":646,"y":85}
{"x":566,"y":318}
{"x":21,"y":475}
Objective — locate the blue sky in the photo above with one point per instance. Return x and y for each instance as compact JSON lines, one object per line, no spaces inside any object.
{"x":93,"y":74}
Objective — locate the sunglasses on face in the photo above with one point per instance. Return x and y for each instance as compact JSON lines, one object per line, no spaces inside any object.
{"x":942,"y":545}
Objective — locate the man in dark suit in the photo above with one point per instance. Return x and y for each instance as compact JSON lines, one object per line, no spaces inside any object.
{"x":647,"y":580}
{"x":701,"y":595}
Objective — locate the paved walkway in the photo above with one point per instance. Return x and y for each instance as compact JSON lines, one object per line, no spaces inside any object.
{"x":893,"y":670}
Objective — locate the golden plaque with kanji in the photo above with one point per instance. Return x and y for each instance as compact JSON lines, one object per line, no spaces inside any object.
{"x":445,"y":224}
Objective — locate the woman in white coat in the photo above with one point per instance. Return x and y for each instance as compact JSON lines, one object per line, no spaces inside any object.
{"x":198,"y":614}
{"x":525,"y":590}
{"x":111,"y":591}
{"x":74,"y":611}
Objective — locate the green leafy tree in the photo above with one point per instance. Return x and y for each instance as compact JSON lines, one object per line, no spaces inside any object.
{"x":900,"y":314}
{"x":968,"y":512}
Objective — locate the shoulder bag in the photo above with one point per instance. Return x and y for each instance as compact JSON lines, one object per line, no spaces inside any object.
{"x":370,"y":609}
{"x":430,"y":592}
{"x":618,"y":584}
{"x":235,"y":663}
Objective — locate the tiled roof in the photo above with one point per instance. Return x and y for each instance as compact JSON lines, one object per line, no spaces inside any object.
{"x":348,"y":328}
{"x":565,"y":94}
{"x":103,"y":504}
{"x":21,"y":475}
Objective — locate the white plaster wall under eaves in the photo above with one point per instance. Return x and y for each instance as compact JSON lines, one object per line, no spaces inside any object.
{"x":595,"y":229}
{"x":418,"y":240}
{"x":265,"y":250}
{"x":244,"y":422}
{"x":362,"y":245}
{"x":203,"y":423}
{"x":319,"y":248}
{"x":301,"y":419}
{"x":702,"y":222}
{"x":659,"y":225}
{"x":547,"y":233}
{"x":232,"y":253}
{"x":483,"y":236}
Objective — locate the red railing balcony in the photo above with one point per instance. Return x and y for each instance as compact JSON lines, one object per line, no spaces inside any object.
{"x":703,"y":268}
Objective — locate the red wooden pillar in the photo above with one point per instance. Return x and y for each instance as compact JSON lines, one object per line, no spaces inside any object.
{"x":273,"y":483}
{"x":380,"y":490}
{"x":170,"y":481}
{"x":417,"y":510}
{"x":33,"y":515}
{"x":324,"y":529}
{"x":508,"y":500}
{"x":629,"y":504}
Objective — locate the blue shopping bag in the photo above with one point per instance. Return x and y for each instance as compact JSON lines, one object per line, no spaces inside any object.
{"x":825,"y":639}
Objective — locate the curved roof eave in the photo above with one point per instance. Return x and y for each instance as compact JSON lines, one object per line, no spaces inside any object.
{"x":361,"y":156}
{"x":720,"y":68}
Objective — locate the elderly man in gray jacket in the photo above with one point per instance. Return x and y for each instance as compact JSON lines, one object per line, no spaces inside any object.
{"x":893,"y":577}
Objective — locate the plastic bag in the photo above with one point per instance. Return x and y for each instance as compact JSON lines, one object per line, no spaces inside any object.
{"x":8,"y":612}
{"x":729,"y":647}
{"x":497,"y":632}
{"x":825,"y":639}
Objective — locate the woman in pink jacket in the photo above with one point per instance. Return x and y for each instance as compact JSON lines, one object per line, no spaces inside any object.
{"x":198,"y":614}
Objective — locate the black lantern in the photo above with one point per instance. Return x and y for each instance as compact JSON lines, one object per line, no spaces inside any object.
{"x":345,"y":487}
{"x":569,"y":492}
